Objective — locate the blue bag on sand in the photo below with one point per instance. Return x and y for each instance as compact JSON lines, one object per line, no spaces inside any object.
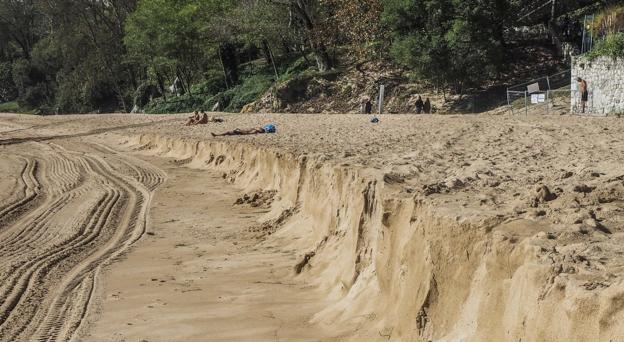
{"x":270,"y":128}
{"x":375,"y":120}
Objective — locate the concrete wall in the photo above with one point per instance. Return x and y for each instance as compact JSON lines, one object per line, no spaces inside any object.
{"x":605,"y":81}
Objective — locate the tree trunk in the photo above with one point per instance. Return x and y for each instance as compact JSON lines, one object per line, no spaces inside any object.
{"x":266,"y":51}
{"x":323,"y":60}
{"x":161,"y":85}
{"x":268,"y":55}
{"x":225,"y":75}
{"x":229,"y":62}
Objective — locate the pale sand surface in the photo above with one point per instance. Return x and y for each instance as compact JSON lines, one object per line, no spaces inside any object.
{"x":199,"y":274}
{"x":551,"y":186}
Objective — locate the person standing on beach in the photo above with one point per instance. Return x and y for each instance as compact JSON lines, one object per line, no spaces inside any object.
{"x":367,"y":106}
{"x":427,"y":106}
{"x":584,"y":93}
{"x":420,"y":105}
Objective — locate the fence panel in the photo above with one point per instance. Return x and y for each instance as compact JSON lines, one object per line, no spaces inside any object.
{"x":517,"y":102}
{"x":542,"y":96}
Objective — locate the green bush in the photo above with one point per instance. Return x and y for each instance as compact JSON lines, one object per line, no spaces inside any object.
{"x":205,"y":95}
{"x":8,"y":92}
{"x":611,"y":46}
{"x":180,"y":104}
{"x":9,"y":107}
{"x":214,"y":84}
{"x":299,"y":66}
{"x":14,"y":107}
{"x":144,"y":93}
{"x":231,"y":100}
{"x":251,"y":90}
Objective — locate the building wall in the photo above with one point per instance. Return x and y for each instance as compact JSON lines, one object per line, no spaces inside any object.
{"x":605,"y":82}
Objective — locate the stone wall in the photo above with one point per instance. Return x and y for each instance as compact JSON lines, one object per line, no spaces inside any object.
{"x":605,"y":82}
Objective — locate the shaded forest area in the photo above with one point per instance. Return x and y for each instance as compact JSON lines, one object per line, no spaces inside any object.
{"x":77,"y":56}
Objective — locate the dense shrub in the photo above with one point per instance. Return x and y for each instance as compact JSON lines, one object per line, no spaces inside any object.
{"x":144,"y":93}
{"x":230,"y":100}
{"x":8,"y":91}
{"x":214,"y":84}
{"x":611,"y":46}
{"x":251,"y":90}
{"x":9,"y":107}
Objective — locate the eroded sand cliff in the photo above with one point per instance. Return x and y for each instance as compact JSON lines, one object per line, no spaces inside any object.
{"x":428,"y":228}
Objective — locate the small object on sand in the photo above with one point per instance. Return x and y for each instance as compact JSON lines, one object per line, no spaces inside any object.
{"x":375,"y":120}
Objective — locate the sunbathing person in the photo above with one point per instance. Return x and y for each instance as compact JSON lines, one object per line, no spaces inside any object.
{"x":260,"y":130}
{"x":212,"y":118}
{"x":202,"y":119}
{"x":193,"y":119}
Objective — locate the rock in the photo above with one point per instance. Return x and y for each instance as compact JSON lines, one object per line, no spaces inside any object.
{"x":454,"y":183}
{"x":582,"y":188}
{"x":393,"y":178}
{"x":566,"y":175}
{"x":248,"y":108}
{"x":591,"y":222}
{"x":542,"y":195}
{"x":431,"y":189}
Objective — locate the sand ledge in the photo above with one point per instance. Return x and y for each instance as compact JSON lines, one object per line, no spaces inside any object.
{"x":408,"y":268}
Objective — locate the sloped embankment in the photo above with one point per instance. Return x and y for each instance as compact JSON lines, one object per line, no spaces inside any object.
{"x":399,"y":267}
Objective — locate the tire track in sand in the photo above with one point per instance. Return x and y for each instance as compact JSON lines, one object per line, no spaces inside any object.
{"x":25,"y":194}
{"x":48,"y":282}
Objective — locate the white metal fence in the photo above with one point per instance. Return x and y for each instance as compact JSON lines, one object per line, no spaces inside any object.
{"x":545,"y":95}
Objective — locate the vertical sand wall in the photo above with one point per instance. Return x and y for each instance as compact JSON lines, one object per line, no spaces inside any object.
{"x":605,"y":79}
{"x":401,"y":269}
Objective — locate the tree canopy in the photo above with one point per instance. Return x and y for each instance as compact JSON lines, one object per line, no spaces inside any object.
{"x":84,"y":55}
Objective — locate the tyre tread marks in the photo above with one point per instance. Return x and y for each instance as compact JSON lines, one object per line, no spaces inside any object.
{"x":55,"y":286}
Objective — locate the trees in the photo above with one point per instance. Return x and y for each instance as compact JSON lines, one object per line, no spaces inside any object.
{"x":85,"y":55}
{"x":65,"y":54}
{"x":306,"y":19}
{"x":450,"y":42}
{"x":19,"y":21}
{"x":179,"y":39}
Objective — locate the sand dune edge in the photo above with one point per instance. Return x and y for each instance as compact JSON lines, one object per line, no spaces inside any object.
{"x":400,"y":268}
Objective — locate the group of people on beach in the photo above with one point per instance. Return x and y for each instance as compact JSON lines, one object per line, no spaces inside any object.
{"x":202,"y":119}
{"x":421,"y":106}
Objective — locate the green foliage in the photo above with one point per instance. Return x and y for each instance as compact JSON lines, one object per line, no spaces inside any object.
{"x":611,"y":46}
{"x":230,"y":100}
{"x":31,"y":84}
{"x":213,"y":84}
{"x":10,"y":107}
{"x":251,"y":90}
{"x":449,"y":42}
{"x":181,"y":104}
{"x":8,"y":91}
{"x":84,"y":55}
{"x":144,"y":93}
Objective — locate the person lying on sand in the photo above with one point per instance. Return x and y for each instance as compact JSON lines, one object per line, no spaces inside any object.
{"x":270,"y":128}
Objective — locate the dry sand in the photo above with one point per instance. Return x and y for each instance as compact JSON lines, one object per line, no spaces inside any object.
{"x":421,"y":228}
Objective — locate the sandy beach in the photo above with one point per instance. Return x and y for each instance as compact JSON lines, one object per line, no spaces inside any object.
{"x":419,"y":228}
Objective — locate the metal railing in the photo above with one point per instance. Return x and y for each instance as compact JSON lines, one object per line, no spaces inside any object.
{"x":542,"y":94}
